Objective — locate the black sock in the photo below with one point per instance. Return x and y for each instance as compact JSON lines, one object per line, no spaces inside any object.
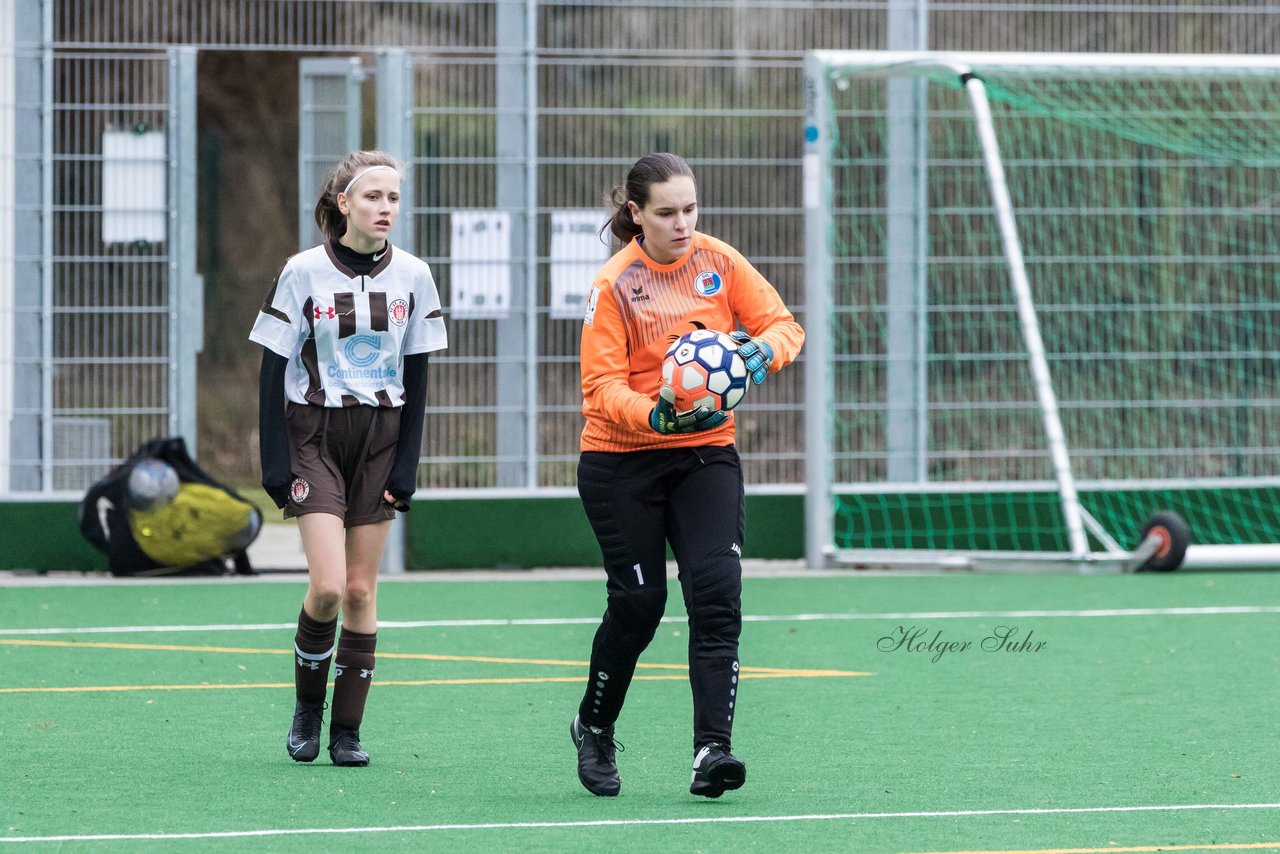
{"x":354,"y":675}
{"x":312,"y":654}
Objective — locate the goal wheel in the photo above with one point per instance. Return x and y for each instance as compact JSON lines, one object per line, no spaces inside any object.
{"x":1174,"y":536}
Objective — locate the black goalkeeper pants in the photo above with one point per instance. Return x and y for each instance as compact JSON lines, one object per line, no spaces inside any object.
{"x":637,"y":503}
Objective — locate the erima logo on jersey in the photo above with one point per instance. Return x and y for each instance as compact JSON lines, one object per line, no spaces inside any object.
{"x":638,"y":294}
{"x":708,"y":283}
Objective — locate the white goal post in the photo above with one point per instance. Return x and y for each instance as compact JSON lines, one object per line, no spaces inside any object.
{"x":1041,"y":307}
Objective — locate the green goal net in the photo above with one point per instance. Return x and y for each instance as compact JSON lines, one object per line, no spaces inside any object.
{"x":1045,"y":296}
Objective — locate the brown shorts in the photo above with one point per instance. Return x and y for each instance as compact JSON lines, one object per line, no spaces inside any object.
{"x":341,"y":461}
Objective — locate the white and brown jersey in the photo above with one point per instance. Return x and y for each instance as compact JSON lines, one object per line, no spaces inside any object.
{"x":345,"y":334}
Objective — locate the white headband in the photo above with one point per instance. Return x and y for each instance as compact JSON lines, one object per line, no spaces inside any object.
{"x":364,"y":172}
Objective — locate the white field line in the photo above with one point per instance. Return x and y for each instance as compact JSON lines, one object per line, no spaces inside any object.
{"x":1204,"y":611}
{"x":639,"y":822}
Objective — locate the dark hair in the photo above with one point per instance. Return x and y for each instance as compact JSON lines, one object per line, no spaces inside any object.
{"x":329,"y":219}
{"x":647,"y":171}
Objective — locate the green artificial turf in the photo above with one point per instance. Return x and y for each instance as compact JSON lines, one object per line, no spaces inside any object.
{"x":1156,"y":727}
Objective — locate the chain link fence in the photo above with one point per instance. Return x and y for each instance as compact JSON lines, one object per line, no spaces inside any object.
{"x":523,"y":113}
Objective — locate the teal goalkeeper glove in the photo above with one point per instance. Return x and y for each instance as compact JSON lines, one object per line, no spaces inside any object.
{"x":755,"y":352}
{"x":663,"y":419}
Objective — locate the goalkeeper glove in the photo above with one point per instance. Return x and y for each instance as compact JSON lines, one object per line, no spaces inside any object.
{"x":663,"y":419}
{"x":755,"y":352}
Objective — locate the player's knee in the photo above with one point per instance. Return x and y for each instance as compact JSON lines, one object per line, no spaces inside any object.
{"x":323,"y":600}
{"x":638,"y":611}
{"x":715,"y":610}
{"x":715,"y":580}
{"x":357,"y":598}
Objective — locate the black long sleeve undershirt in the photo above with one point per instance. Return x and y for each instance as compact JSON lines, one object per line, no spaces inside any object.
{"x":404,"y":472}
{"x":273,"y":436}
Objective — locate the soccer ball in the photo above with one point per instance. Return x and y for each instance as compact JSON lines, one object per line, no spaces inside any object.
{"x":703,"y":368}
{"x":152,"y":483}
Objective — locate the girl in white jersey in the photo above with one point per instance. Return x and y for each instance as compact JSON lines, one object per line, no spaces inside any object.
{"x":346,"y":330}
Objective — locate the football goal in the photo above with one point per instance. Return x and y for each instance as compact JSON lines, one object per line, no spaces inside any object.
{"x":1043,"y":310}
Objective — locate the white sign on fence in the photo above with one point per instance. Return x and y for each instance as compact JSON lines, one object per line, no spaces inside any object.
{"x":480,"y":265}
{"x":134,"y":205}
{"x":577,"y":251}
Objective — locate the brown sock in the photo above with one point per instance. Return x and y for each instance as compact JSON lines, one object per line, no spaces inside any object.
{"x":312,"y":654}
{"x":353,"y":676}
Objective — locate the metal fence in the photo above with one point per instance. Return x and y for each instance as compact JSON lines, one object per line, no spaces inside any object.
{"x":524,"y":110}
{"x":1043,"y":276}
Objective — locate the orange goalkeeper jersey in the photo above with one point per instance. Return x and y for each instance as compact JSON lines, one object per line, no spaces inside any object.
{"x":638,"y":307}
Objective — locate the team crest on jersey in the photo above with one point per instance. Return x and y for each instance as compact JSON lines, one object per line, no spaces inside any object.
{"x":299,"y":490}
{"x":708,"y":283}
{"x":398,"y":312}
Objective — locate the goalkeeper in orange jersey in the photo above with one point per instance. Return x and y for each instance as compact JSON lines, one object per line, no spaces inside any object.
{"x":650,"y":476}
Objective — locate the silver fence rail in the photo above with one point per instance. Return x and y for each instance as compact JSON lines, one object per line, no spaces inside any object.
{"x":518,"y":112}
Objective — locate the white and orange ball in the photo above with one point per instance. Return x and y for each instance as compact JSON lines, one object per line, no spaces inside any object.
{"x":703,"y":368}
